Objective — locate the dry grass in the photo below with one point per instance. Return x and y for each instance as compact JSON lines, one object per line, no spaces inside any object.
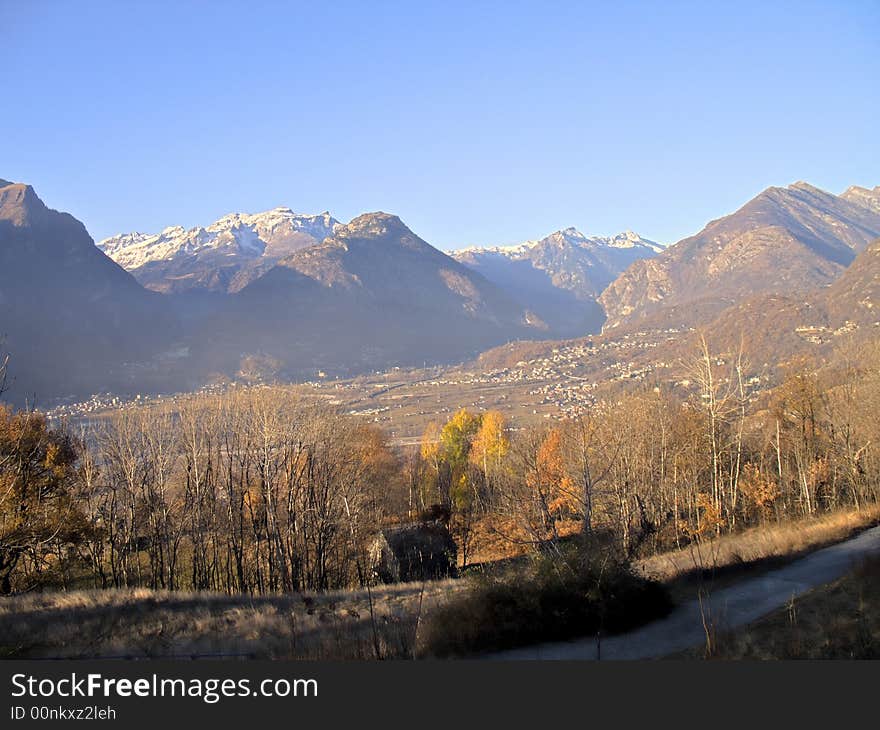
{"x":765,"y":546}
{"x":338,"y":625}
{"x":837,"y":621}
{"x":143,"y":623}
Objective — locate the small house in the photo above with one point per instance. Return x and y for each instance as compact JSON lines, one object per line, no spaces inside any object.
{"x":415,"y":551}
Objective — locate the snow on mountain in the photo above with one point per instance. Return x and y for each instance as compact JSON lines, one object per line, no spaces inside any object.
{"x":628,"y":239}
{"x":223,"y":256}
{"x":236,"y":234}
{"x":560,"y":276}
{"x":583,"y":264}
{"x":571,"y":236}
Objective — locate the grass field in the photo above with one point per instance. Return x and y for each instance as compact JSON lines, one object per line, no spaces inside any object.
{"x":143,"y":623}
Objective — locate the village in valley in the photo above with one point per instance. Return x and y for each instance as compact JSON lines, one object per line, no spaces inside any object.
{"x":562,"y":380}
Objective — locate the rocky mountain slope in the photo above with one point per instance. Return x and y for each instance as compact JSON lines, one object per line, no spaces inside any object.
{"x":855,"y":296}
{"x":559,"y":277}
{"x":779,"y":328}
{"x":785,"y":241}
{"x":865,"y":197}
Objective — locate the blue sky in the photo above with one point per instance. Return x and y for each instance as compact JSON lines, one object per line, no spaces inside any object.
{"x":476,"y":122}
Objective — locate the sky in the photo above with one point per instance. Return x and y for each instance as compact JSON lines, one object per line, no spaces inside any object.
{"x":475,"y":122}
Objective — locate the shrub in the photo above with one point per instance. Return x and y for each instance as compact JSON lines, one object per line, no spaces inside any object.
{"x":555,"y":596}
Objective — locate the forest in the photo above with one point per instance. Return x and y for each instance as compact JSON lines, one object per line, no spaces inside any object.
{"x":260,"y":491}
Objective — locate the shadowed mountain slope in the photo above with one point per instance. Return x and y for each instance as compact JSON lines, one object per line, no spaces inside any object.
{"x":371,"y":295}
{"x":71,"y":317}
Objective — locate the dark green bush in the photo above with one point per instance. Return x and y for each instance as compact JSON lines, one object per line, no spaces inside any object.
{"x":555,"y":596}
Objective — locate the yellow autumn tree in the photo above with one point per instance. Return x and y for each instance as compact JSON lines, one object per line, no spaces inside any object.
{"x":490,"y":444}
{"x":430,"y":446}
{"x":456,"y":439}
{"x":457,"y":436}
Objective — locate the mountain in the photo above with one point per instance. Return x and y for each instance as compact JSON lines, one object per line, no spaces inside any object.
{"x":72,"y":319}
{"x":774,"y":328}
{"x":784,"y":241}
{"x":863,"y":196}
{"x":855,"y":296}
{"x":559,"y":277}
{"x":221,"y":257}
{"x":371,"y":295}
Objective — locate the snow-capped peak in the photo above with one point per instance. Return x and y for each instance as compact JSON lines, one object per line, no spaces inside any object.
{"x":566,"y":236}
{"x":629,"y":239}
{"x":242,"y":235}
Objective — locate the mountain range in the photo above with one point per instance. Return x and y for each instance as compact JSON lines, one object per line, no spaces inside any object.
{"x":553,"y":283}
{"x":287,"y":295}
{"x":793,"y":274}
{"x":223,"y":256}
{"x":560,"y":277}
{"x":275,"y":294}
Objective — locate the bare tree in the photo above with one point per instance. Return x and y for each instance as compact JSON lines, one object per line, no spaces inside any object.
{"x":4,"y":371}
